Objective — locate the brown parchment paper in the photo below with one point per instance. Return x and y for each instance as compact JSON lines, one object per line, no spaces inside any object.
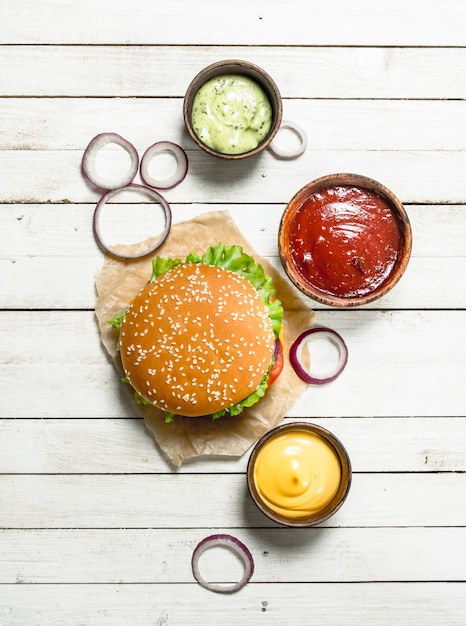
{"x":119,"y":281}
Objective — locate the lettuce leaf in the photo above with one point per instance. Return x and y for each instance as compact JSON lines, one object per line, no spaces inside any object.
{"x":251,"y":400}
{"x":117,"y":320}
{"x":161,"y":265}
{"x":231,"y":258}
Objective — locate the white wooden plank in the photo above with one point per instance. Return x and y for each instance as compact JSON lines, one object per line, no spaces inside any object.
{"x":59,"y":356}
{"x":416,"y":177}
{"x":55,"y":230}
{"x":316,"y":604}
{"x":58,"y":231}
{"x":57,"y":241}
{"x":166,"y":71}
{"x":181,"y":21}
{"x":141,"y":501}
{"x":378,"y":373}
{"x":343,"y":124}
{"x":78,"y":292}
{"x":281,"y":555}
{"x":49,"y":446}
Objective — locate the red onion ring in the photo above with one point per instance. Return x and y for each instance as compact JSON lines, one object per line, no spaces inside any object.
{"x":227,"y":541}
{"x":282,"y":153}
{"x":181,"y":168}
{"x":90,"y":154}
{"x":151,"y":192}
{"x":296,"y":355}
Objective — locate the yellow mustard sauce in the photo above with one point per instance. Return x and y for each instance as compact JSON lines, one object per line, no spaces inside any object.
{"x":231,"y":114}
{"x":297,"y":473}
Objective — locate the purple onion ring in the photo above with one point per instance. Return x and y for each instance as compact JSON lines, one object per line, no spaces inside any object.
{"x":297,"y":361}
{"x":234,"y":544}
{"x":89,"y":157}
{"x":132,"y":187}
{"x":181,"y":165}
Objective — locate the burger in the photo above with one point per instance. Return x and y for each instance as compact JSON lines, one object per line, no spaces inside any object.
{"x":204,"y":336}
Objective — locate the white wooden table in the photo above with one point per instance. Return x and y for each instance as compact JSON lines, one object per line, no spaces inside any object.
{"x":95,"y":527}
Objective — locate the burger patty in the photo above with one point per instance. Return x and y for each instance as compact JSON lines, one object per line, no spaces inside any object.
{"x":196,"y":340}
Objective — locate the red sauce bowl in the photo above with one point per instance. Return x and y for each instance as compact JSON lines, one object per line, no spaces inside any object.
{"x":344,"y":240}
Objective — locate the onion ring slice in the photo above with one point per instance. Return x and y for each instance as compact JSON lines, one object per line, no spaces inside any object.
{"x":283,"y":153}
{"x":181,"y":165}
{"x":304,"y":372}
{"x":232,"y":543}
{"x":133,"y":187}
{"x":89,"y":161}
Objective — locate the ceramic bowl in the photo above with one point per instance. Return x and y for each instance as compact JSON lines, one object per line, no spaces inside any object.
{"x":356,"y":274}
{"x":310,"y":460}
{"x":243,"y":68}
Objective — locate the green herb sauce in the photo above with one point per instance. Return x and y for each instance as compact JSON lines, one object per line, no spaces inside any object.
{"x":231,"y":114}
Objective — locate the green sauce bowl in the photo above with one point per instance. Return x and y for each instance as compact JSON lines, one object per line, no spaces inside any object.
{"x":242,"y":69}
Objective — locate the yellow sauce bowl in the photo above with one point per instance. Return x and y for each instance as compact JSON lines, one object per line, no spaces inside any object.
{"x":299,"y":474}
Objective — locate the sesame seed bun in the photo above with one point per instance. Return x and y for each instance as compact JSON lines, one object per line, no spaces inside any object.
{"x":196,"y":340}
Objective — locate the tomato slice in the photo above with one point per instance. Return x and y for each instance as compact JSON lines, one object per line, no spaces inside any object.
{"x":277,"y":367}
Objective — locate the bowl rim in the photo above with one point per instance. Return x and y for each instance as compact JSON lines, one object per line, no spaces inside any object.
{"x":244,"y":68}
{"x":357,"y":180}
{"x":331,"y":507}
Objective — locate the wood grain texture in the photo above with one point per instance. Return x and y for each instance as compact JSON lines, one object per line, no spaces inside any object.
{"x":124,"y":446}
{"x":96,"y":527}
{"x":149,"y":555}
{"x":129,"y":71}
{"x":129,"y":501}
{"x":316,"y":604}
{"x":180,"y":21}
{"x":39,"y":243}
{"x":415,"y":176}
{"x":59,"y":354}
{"x":38,"y":123}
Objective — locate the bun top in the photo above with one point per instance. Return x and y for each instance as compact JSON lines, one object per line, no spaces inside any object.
{"x":196,"y":340}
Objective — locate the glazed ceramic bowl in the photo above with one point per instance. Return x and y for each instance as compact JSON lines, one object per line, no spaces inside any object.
{"x":242,"y":68}
{"x":344,"y":240}
{"x":308,"y":464}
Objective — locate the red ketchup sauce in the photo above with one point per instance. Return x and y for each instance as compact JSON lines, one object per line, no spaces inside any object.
{"x":344,"y":240}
